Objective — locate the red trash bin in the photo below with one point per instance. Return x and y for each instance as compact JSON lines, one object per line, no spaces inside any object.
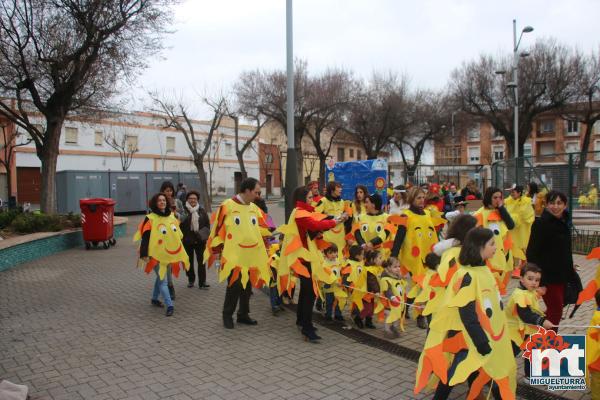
{"x":97,"y":222}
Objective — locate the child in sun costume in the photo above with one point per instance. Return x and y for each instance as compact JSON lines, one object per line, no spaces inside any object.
{"x":333,"y":205}
{"x":592,"y":347}
{"x":332,"y":291}
{"x":522,"y":214}
{"x":468,"y":338}
{"x":161,"y":247}
{"x":523,"y":312}
{"x":498,"y":220}
{"x":393,"y":288}
{"x":301,"y":256}
{"x":427,"y":291}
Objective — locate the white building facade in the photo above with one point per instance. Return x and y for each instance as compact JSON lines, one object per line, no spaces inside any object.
{"x":83,"y":147}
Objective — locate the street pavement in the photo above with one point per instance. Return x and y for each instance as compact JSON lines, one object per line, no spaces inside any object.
{"x":79,"y":325}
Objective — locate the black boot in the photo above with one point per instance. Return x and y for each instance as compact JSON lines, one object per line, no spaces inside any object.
{"x":358,"y":322}
{"x":171,"y":291}
{"x":369,"y":323}
{"x":422,"y":322}
{"x":310,"y":335}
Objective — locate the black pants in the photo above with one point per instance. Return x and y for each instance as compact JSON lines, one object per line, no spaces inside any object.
{"x":443,"y":390}
{"x":234,"y":293}
{"x":306,"y":302}
{"x":198,"y":248}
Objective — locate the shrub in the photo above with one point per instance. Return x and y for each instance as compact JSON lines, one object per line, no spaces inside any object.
{"x":30,"y":223}
{"x":7,"y":217}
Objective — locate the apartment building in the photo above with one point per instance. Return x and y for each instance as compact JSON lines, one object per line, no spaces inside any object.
{"x":83,"y":147}
{"x":552,"y":138}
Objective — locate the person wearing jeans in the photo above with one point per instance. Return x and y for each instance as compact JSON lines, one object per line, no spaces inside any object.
{"x":195,"y":226}
{"x":161,"y":288}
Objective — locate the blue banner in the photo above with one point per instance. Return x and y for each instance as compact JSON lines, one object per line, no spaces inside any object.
{"x":371,"y":173}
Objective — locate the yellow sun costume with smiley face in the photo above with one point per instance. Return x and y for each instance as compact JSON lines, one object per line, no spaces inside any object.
{"x":357,"y":279}
{"x":502,"y":263}
{"x":336,"y":287}
{"x":373,"y":227}
{"x":164,"y":246}
{"x":449,"y":337}
{"x":335,"y":235}
{"x":236,"y":233}
{"x":418,"y":242}
{"x":398,"y":289}
{"x":518,"y":329}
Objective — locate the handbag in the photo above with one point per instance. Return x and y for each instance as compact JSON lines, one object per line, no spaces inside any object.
{"x":572,"y":288}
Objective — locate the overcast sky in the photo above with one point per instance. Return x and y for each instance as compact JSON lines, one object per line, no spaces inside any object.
{"x":216,"y":40}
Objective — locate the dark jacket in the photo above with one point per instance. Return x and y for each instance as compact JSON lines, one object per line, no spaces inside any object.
{"x":194,"y":238}
{"x":550,"y":248}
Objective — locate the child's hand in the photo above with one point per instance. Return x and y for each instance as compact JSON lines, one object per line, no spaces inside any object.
{"x":541,"y":290}
{"x":145,"y":259}
{"x":548,"y":325}
{"x":395,"y":301}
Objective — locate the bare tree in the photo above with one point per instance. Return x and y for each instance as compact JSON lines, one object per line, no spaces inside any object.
{"x":211,"y":158}
{"x":123,"y":144}
{"x":584,"y":104}
{"x":64,"y":56}
{"x":545,"y":83}
{"x":379,"y":110}
{"x":266,"y":93}
{"x":429,"y":121}
{"x":11,"y":139}
{"x":242,"y":144}
{"x":332,"y":93}
{"x":175,"y":115}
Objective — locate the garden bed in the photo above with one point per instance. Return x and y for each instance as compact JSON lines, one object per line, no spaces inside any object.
{"x":20,"y":249}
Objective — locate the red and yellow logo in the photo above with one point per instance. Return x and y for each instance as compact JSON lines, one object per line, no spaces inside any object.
{"x":380,"y":183}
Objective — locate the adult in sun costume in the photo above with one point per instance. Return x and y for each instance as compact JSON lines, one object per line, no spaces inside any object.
{"x":333,"y":205}
{"x":300,"y":255}
{"x":520,"y":209}
{"x":161,"y":248}
{"x":592,"y":348}
{"x":593,"y":285}
{"x":494,"y":216}
{"x":468,"y":340}
{"x":236,"y":238}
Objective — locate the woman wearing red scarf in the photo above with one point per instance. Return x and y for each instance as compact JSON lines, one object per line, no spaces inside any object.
{"x":299,"y":250}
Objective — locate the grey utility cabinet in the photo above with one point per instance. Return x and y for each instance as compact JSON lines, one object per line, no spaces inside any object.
{"x":71,"y":186}
{"x":155,"y":179}
{"x":128,"y":189}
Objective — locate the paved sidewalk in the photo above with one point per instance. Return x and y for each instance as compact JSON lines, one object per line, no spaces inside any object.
{"x":78,"y":325}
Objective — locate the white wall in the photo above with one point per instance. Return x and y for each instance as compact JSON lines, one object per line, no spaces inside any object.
{"x":152,"y":144}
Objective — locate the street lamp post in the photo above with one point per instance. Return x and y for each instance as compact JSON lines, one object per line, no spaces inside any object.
{"x":515,"y":81}
{"x":291,"y":175}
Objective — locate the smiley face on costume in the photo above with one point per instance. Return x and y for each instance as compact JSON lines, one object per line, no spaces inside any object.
{"x":242,"y":227}
{"x":423,"y":239}
{"x":165,"y":241}
{"x":372,"y":226}
{"x":490,"y":313}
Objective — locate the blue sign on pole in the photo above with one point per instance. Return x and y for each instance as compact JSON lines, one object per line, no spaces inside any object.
{"x":371,"y":173}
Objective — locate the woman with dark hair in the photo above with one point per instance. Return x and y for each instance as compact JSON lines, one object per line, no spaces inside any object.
{"x":306,"y":224}
{"x":160,"y":234}
{"x":361,"y":192}
{"x":550,"y":248}
{"x":333,"y":206}
{"x":472,"y":308}
{"x":174,"y":203}
{"x":176,"y":207}
{"x":494,"y":216}
{"x":195,"y":226}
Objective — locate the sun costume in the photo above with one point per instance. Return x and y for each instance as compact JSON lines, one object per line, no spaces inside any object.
{"x":592,"y":349}
{"x":394,"y":287}
{"x":336,"y":287}
{"x":337,"y":234}
{"x":502,"y":263}
{"x":374,"y":229}
{"x":414,"y":239}
{"x":518,"y":330}
{"x":523,"y":216}
{"x":469,"y":334}
{"x":356,"y":274}
{"x":590,"y":289}
{"x":236,"y":234}
{"x":165,"y":248}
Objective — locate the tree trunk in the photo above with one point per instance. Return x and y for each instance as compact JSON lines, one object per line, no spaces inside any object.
{"x":205,"y":199}
{"x":8,"y":180}
{"x":240,"y":157}
{"x":586,"y":144}
{"x":322,"y":178}
{"x":48,"y":157}
{"x":300,"y":159}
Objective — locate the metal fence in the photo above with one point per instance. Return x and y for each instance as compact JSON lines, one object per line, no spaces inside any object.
{"x":575,"y":174}
{"x":430,"y":173}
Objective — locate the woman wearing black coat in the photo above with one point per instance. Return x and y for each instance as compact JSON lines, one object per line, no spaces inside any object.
{"x":195,"y":226}
{"x":550,"y":248}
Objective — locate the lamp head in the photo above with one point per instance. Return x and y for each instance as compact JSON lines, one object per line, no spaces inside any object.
{"x":525,"y":54}
{"x":528,"y":29}
{"x":500,"y":72}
